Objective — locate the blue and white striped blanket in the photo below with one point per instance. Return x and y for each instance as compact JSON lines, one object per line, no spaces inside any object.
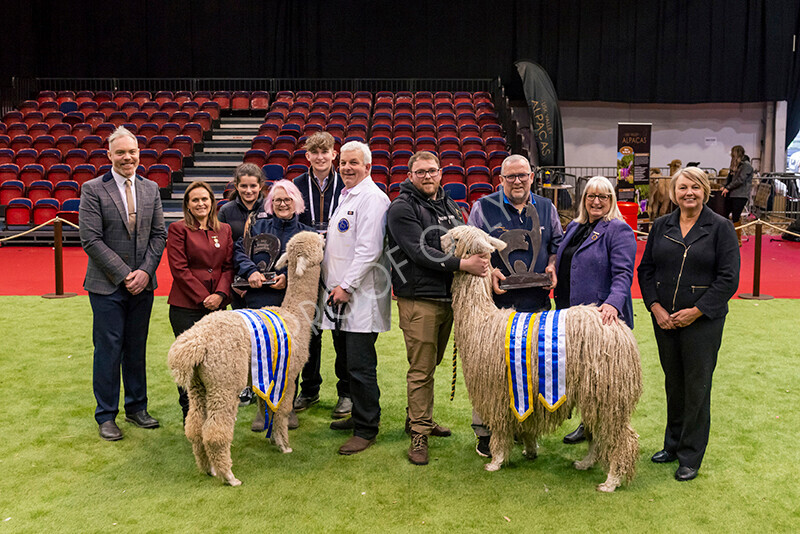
{"x":271,"y":348}
{"x":551,"y":350}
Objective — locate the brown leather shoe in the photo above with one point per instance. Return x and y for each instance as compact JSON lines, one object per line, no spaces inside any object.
{"x":355,"y":445}
{"x":418,"y":452}
{"x":437,"y":431}
{"x":343,"y":424}
{"x":109,"y":431}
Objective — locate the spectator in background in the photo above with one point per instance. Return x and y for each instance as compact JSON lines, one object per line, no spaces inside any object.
{"x":200,"y":254}
{"x":737,"y":187}
{"x":122,"y":232}
{"x":595,"y":262}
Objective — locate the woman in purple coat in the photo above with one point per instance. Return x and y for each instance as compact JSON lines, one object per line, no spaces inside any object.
{"x":595,"y":261}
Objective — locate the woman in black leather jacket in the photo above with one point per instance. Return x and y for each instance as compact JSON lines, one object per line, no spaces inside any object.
{"x":689,"y":271}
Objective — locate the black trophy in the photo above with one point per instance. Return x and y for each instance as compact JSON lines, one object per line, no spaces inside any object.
{"x":259,"y":245}
{"x":520,"y":275}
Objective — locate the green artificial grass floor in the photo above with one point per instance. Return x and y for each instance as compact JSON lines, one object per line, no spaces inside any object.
{"x":57,"y":475}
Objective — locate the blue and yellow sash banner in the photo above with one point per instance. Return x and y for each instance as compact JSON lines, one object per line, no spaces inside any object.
{"x":519,"y":330}
{"x":552,"y":354}
{"x":271,"y":348}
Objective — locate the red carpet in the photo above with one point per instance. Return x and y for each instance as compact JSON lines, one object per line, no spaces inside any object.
{"x":31,"y":271}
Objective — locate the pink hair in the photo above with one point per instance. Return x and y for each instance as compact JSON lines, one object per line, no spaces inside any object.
{"x":291,"y":190}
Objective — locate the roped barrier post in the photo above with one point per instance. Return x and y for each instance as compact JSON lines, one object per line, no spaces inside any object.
{"x":756,"y":294}
{"x":59,"y":264}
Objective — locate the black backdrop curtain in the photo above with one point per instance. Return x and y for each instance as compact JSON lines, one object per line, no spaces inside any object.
{"x":668,"y":51}
{"x":793,"y":113}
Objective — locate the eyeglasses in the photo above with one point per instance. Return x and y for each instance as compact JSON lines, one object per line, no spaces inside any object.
{"x":285,"y":201}
{"x":603,"y":198}
{"x":511,"y":178}
{"x":433,"y":173}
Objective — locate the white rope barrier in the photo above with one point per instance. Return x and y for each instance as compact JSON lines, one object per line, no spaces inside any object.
{"x":751,"y":223}
{"x":26,"y":232}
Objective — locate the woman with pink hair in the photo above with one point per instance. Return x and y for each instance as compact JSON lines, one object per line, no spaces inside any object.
{"x":279,"y":218}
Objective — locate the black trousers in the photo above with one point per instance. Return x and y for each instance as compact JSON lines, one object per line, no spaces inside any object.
{"x":734,"y":206}
{"x":183,"y":319}
{"x":688,"y":357}
{"x":119,"y":333}
{"x":312,"y":379}
{"x":362,"y":364}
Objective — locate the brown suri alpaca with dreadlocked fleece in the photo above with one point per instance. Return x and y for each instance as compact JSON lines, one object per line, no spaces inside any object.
{"x":212,"y":358}
{"x":603,"y":371}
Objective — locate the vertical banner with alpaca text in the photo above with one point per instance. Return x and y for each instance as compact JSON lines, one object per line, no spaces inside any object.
{"x":633,"y":157}
{"x":545,"y":115}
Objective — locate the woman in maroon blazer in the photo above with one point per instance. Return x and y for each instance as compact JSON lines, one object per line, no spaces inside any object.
{"x":200,"y":253}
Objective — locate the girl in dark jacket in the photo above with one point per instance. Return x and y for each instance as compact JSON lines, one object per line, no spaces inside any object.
{"x":737,"y":188}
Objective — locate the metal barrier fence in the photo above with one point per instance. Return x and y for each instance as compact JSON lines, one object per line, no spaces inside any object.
{"x":775,"y":195}
{"x":778,"y":195}
{"x":26,"y":88}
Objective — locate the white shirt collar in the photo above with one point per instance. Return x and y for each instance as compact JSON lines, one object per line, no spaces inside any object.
{"x":121,"y":179}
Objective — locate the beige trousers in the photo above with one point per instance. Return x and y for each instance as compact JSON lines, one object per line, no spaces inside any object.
{"x":426,"y":326}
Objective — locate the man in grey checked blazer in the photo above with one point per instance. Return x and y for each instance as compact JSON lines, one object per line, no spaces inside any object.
{"x":122,"y":232}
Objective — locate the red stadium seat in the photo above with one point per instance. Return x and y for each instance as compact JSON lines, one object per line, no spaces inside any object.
{"x":160,"y":174}
{"x":172,"y":157}
{"x":59,"y":173}
{"x":25,"y":156}
{"x":477,"y":174}
{"x":240,"y":100}
{"x":10,"y":189}
{"x":18,"y":212}
{"x":222,"y":98}
{"x":453,"y":173}
{"x":398,"y":173}
{"x":65,"y":190}
{"x":49,"y":157}
{"x":148,"y":157}
{"x":98,"y":157}
{"x":158,"y":143}
{"x":256,"y":157}
{"x":31,"y":173}
{"x":478,"y":190}
{"x":184,"y":144}
{"x":83,"y":173}
{"x":40,"y":189}
{"x":259,"y":100}
{"x":76,"y":156}
{"x":44,"y":210}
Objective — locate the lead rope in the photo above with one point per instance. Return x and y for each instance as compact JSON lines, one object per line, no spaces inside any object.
{"x":455,"y":365}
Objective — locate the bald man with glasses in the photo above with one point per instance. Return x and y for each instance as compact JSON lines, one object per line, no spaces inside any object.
{"x":507,"y":209}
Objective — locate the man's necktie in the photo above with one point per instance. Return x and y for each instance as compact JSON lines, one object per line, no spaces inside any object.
{"x":131,"y":207}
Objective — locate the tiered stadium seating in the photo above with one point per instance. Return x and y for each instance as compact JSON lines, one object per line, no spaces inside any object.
{"x":462,"y":128}
{"x":62,"y":137}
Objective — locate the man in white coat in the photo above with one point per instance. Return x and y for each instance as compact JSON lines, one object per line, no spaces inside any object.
{"x":356,"y":275}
